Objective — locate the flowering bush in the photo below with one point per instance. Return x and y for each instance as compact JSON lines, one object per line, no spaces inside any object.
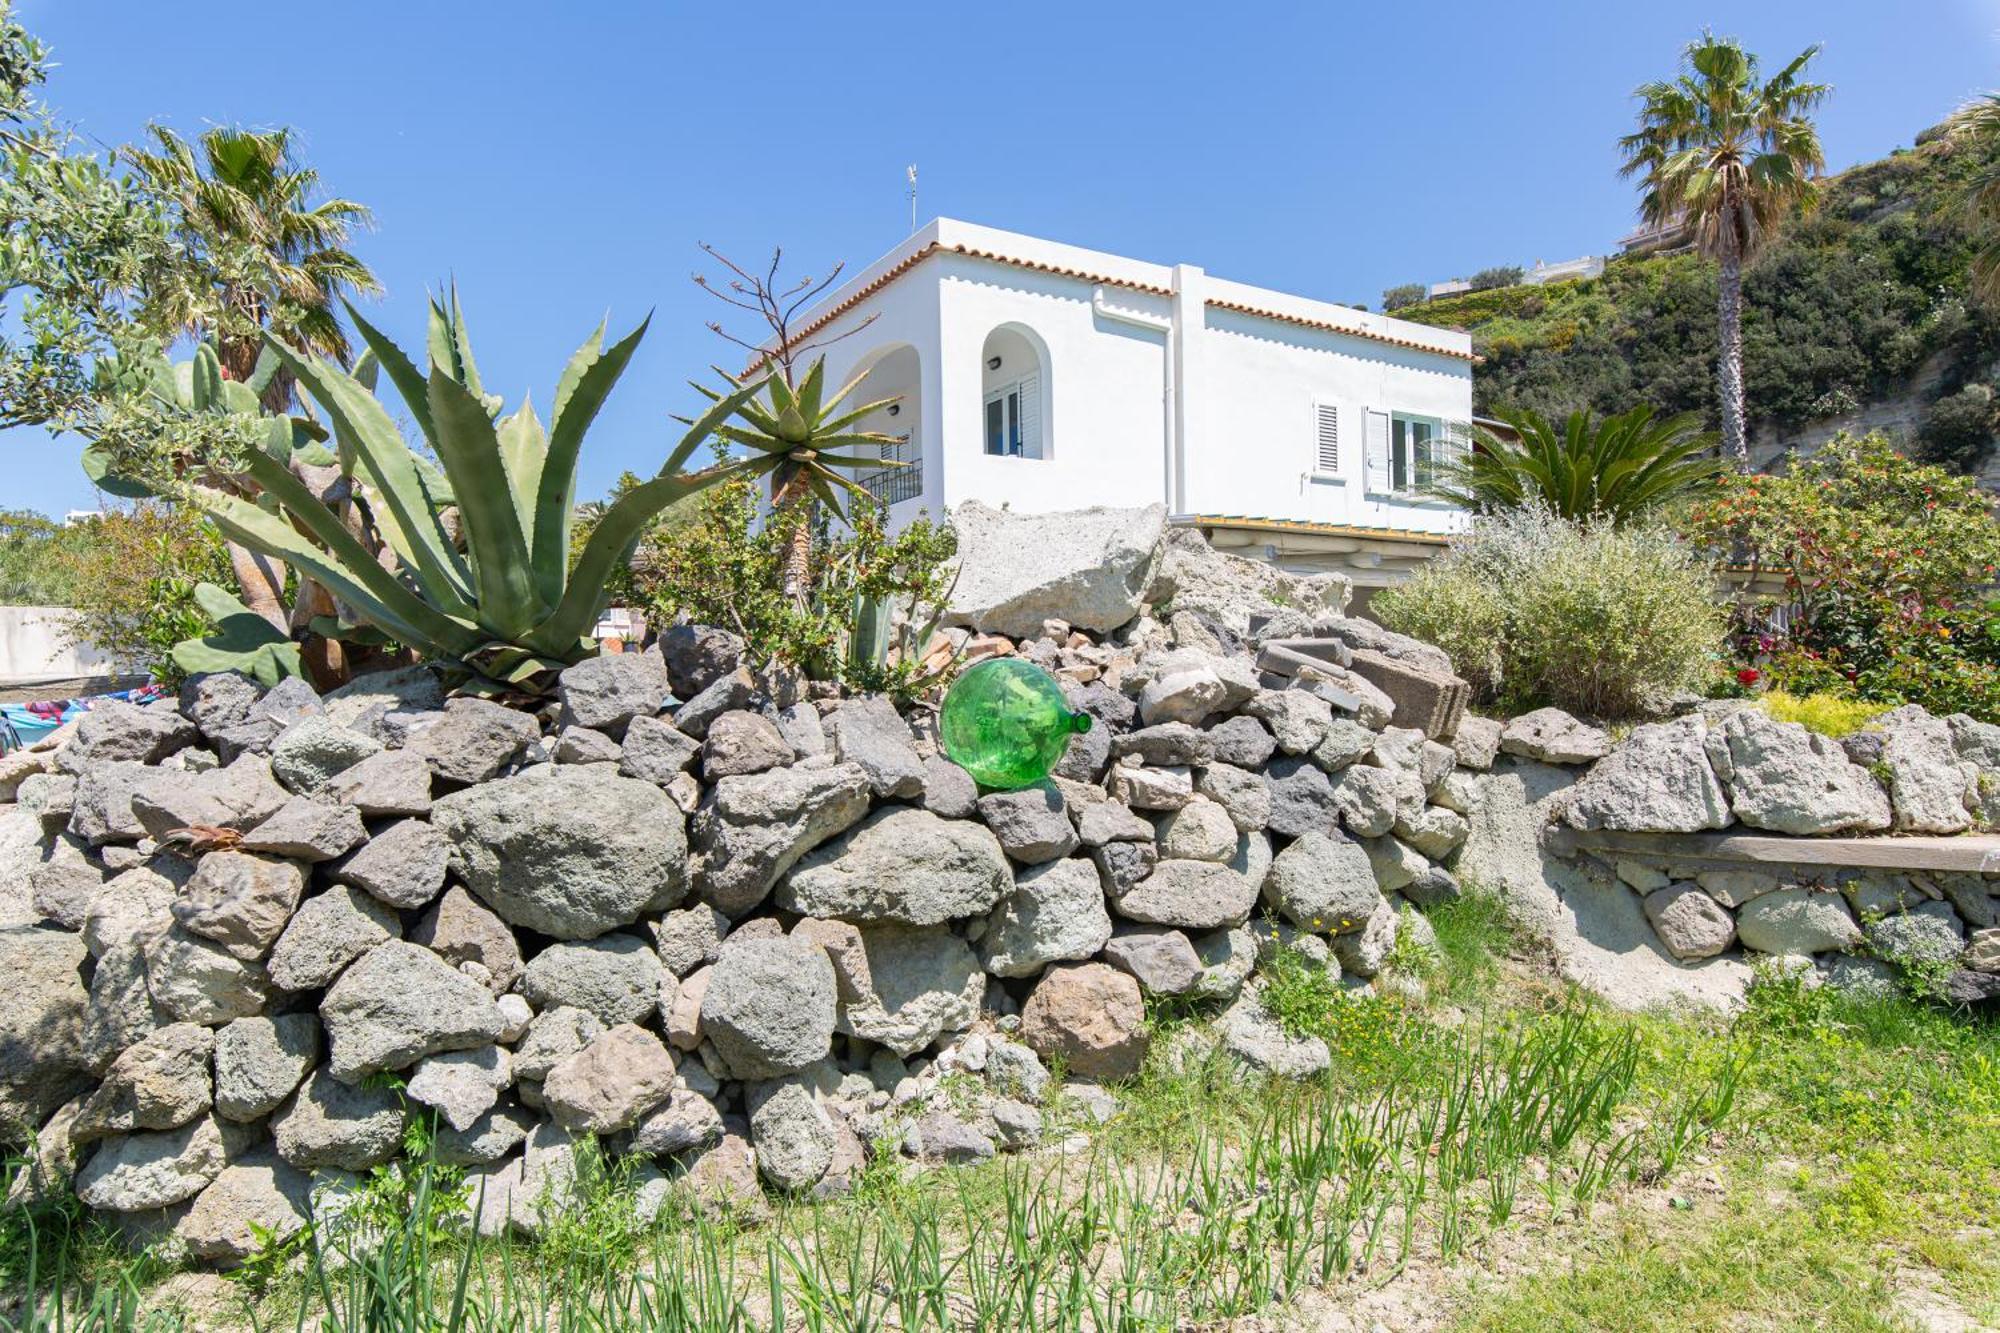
{"x":1883,"y":565}
{"x":1537,"y":609}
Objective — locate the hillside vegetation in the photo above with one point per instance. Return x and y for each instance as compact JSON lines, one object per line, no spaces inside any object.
{"x":1862,"y":302}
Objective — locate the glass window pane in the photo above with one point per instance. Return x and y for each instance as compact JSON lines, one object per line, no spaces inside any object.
{"x":996,"y":440}
{"x":1399,"y":455}
{"x":1014,"y":422}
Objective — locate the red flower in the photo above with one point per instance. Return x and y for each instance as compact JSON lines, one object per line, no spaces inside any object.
{"x":1749,"y":676}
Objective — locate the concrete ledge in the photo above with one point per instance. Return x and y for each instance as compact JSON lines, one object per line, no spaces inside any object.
{"x":1975,"y":853}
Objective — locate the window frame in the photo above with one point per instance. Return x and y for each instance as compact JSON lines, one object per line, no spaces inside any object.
{"x":1403,"y":453}
{"x":1317,"y":472}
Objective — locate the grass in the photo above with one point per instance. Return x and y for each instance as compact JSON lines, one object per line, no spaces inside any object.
{"x":1806,"y":1165}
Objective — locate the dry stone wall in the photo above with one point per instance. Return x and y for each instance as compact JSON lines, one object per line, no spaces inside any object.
{"x":728,"y":923}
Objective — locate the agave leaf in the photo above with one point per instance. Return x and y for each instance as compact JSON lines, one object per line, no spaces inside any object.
{"x":707,"y":426}
{"x":809,"y":392}
{"x":834,"y":425}
{"x":552,"y":495}
{"x":467,"y":445}
{"x":579,"y":360}
{"x":367,"y":370}
{"x":524,"y":452}
{"x":611,"y":541}
{"x":399,"y":482}
{"x":403,"y":373}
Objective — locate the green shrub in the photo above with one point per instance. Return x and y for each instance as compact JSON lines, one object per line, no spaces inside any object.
{"x":1405,"y":294}
{"x":861,"y":620}
{"x":33,"y":566}
{"x":1536,"y":609}
{"x":133,"y":573}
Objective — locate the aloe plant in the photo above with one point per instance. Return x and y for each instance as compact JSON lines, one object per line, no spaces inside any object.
{"x":500,"y":594}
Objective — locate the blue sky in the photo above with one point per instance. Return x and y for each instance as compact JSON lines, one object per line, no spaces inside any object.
{"x":562,"y":161}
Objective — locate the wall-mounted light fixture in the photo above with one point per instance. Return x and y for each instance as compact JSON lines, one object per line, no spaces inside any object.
{"x":895,"y":409}
{"x":993,"y":363}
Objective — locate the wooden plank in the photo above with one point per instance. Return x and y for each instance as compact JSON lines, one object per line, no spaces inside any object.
{"x":1976,"y":853}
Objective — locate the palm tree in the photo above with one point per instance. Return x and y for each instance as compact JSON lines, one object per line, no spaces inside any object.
{"x":1620,"y":467}
{"x":1727,"y":154}
{"x":272,"y":255}
{"x":1978,"y":124}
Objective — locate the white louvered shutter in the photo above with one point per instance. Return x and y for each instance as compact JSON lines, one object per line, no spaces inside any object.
{"x":1326,"y":439}
{"x":1375,"y":444}
{"x":1031,"y":416}
{"x":1458,"y":437}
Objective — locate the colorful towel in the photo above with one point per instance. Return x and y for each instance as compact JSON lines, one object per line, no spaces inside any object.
{"x":21,"y":725}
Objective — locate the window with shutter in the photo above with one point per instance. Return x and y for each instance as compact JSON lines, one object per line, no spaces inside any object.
{"x":1326,"y":439}
{"x":1375,"y":445}
{"x":1031,"y":416}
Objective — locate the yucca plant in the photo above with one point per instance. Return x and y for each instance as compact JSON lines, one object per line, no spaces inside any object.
{"x":497,"y":591}
{"x":1617,"y":467}
{"x":794,"y":438}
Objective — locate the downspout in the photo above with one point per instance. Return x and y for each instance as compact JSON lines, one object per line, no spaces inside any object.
{"x":1159,"y":324}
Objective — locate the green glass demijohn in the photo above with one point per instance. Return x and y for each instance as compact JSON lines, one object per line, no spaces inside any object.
{"x":1006,"y":722}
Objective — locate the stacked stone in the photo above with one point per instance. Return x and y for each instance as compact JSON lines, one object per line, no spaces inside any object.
{"x":730,"y":923}
{"x":1733,"y":766}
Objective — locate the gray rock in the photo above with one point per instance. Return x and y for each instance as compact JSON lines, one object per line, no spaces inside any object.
{"x":742,"y":742}
{"x":697,"y":656}
{"x":735,"y":690}
{"x":307,"y":830}
{"x":1368,"y":798}
{"x":1733,"y":888}
{"x":611,"y":1083}
{"x":793,"y":1137}
{"x":1145,"y":788}
{"x":1089,"y":567}
{"x":238,"y":797}
{"x":62,"y":891}
{"x":689,"y":937}
{"x":115,"y":730}
{"x":1658,"y":779}
{"x":1257,"y":1041}
{"x":687,"y":1121}
{"x":949,"y":791}
{"x":314,"y":750}
{"x":331,"y":1124}
{"x":900,"y":864}
{"x":655,"y":750}
{"x":1106,"y":821}
{"x":404,"y":864}
{"x":1301,"y":797}
{"x":242,"y":902}
{"x":1193,"y":895}
{"x":1929,"y":785}
{"x":769,"y":1007}
{"x":570,"y":852}
{"x":1434,"y":831}
{"x":1796,"y":921}
{"x":407,"y":689}
{"x":616,"y":978}
{"x":159,"y":1082}
{"x":901,"y":987}
{"x":1690,"y":923}
{"x":940,"y":1136}
{"x":1435,"y":887}
{"x":1201,"y":830}
{"x":137,"y":1173}
{"x":474,"y":741}
{"x":1864,"y":978}
{"x":250,"y":1207}
{"x":326,"y":934}
{"x":199,"y":981}
{"x":1242,"y":741}
{"x":399,"y":1003}
{"x":1166,"y":745}
{"x":1928,"y":934}
{"x":581,"y":745}
{"x":1017,"y":1126}
{"x":1241,"y":793}
{"x":1397,"y":864}
{"x":554,"y":1036}
{"x":1054,"y":914}
{"x":1782,"y":777}
{"x":100,"y":801}
{"x":260,"y":1061}
{"x":121,"y":1009}
{"x":869,"y":732}
{"x":1476,"y":743}
{"x":1323,"y":884}
{"x":1086,"y":756}
{"x":1032,"y":824}
{"x":462,"y":1086}
{"x":489,"y":1139}
{"x":1554,"y":737}
{"x":395,"y":782}
{"x":1364,"y":952}
{"x":1297,"y":718}
{"x":1124,"y":864}
{"x":220,"y":705}
{"x":1014,"y":1070}
{"x":461,"y":931}
{"x":752,"y":830}
{"x":1161,"y":960}
{"x":605,"y":693}
{"x":1347,"y":742}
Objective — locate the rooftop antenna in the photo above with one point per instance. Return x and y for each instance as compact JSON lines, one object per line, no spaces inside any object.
{"x":911,"y":172}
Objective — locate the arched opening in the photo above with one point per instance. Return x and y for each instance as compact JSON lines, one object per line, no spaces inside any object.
{"x":1014,"y":393}
{"x":893,"y":371}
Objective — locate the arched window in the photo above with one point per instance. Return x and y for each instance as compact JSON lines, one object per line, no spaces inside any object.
{"x":1014,"y":394}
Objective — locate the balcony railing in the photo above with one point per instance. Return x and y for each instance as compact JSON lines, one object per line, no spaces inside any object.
{"x":890,"y":485}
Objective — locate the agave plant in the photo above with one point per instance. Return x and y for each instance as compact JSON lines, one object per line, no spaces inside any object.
{"x":793,"y":438}
{"x":1618,"y":467}
{"x":497,"y":590}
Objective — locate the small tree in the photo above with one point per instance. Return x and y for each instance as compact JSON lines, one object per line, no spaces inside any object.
{"x":1503,"y":275}
{"x":1621,"y":467}
{"x":1405,"y":294}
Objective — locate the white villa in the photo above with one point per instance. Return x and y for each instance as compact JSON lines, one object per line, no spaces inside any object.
{"x":1044,"y":377}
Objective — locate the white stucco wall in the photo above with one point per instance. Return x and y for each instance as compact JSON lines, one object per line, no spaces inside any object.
{"x":35,"y":646}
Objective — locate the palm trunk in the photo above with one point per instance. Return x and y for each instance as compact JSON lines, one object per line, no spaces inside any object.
{"x":262,"y":580}
{"x":1729,"y":356}
{"x":790,"y":493}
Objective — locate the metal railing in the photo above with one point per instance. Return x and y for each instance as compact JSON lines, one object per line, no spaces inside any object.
{"x":891,"y":485}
